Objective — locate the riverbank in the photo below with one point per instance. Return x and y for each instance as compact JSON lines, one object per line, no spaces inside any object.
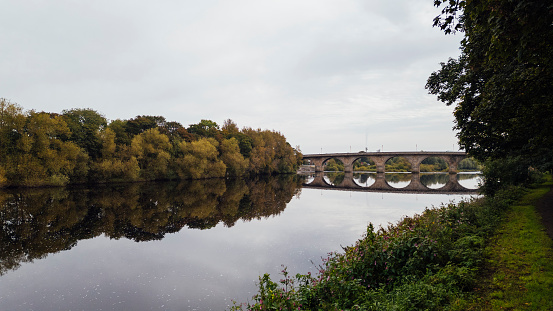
{"x":488,"y":253}
{"x":518,"y":274}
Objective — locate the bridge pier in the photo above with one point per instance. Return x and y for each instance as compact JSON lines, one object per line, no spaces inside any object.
{"x":415,"y":163}
{"x":380,"y":182}
{"x":318,"y":162}
{"x":348,"y":163}
{"x":380,"y":163}
{"x":453,"y":164}
{"x":348,"y":181}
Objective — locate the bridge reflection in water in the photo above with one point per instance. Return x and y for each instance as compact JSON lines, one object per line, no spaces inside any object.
{"x":346,"y":181}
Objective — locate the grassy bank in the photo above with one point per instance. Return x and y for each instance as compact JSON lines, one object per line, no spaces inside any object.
{"x":433,"y":261}
{"x":519,"y":271}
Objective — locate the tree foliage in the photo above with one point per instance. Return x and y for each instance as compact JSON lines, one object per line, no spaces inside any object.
{"x":85,"y":125}
{"x":502,"y":83}
{"x":78,"y":146}
{"x":230,"y":155}
{"x":434,"y":164}
{"x":334,"y":165}
{"x":199,"y":160}
{"x":205,"y":128}
{"x":33,"y":149}
{"x":151,"y":149}
{"x":271,"y":153}
{"x":140,"y":124}
{"x":398,"y":164}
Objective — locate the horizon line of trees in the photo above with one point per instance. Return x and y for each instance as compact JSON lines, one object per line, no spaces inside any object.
{"x":80,"y":146}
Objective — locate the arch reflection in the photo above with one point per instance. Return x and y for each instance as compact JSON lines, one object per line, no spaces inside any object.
{"x":364,"y":180}
{"x":334,"y":178}
{"x":398,"y":180}
{"x":435,"y":180}
{"x":394,"y":182}
{"x":470,"y":180}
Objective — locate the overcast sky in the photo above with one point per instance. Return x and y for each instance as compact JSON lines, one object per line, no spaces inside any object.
{"x":329,"y":75}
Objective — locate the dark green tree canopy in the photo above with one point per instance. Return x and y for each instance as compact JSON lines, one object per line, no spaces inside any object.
{"x":502,"y":83}
{"x":84,"y":125}
{"x":206,"y":128}
{"x":140,"y":124}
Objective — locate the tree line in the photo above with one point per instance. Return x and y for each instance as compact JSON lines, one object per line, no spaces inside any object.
{"x":81,"y":146}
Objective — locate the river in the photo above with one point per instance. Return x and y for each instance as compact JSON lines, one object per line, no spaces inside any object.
{"x":195,"y":245}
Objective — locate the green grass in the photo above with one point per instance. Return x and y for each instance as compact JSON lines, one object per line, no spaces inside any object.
{"x":519,"y":270}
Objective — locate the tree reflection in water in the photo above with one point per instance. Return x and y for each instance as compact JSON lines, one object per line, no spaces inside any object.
{"x":364,"y":179}
{"x":334,"y":178}
{"x":398,"y":180}
{"x":37,"y":222}
{"x":434,"y":180}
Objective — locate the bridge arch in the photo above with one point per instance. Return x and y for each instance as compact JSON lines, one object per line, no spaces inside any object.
{"x":333,"y":165}
{"x":364,"y":164}
{"x":434,"y":164}
{"x":399,"y":164}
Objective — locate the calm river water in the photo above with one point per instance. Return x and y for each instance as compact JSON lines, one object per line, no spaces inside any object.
{"x":183,"y":246}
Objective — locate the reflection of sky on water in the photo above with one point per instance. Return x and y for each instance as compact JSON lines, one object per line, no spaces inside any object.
{"x":470,"y":180}
{"x":434,"y":180}
{"x":398,"y":180}
{"x":204,"y":269}
{"x":364,"y":180}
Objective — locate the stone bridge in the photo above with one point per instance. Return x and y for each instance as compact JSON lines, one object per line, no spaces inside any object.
{"x":452,"y":158}
{"x":381,"y":185}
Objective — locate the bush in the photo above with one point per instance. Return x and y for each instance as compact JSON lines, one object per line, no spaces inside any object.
{"x":502,"y":173}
